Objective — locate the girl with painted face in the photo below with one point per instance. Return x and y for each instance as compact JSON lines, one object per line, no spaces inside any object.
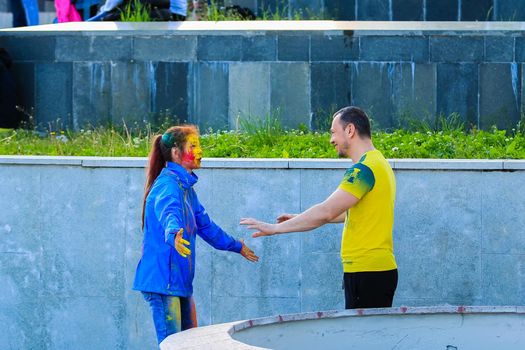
{"x":172,"y":217}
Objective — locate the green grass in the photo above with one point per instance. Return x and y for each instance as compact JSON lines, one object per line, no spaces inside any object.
{"x":281,"y":12}
{"x":135,"y":11}
{"x":269,"y":140}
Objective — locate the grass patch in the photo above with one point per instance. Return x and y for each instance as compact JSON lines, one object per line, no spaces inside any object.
{"x":136,"y":11}
{"x":280,"y":12}
{"x":270,"y":140}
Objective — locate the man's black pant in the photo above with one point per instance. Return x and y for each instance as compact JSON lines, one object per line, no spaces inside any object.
{"x":369,"y":289}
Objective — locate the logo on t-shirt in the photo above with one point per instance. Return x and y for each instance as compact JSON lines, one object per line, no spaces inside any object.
{"x":354,"y":175}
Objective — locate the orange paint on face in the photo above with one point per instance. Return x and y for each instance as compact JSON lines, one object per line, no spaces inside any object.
{"x":192,"y":155}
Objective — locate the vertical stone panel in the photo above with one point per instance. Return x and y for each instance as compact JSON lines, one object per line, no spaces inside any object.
{"x":407,"y":10}
{"x":477,"y":10}
{"x":522,"y":107}
{"x":131,"y":93}
{"x":372,"y":85}
{"x":442,"y":10}
{"x":209,"y":95}
{"x":53,"y":105}
{"x":500,"y":95}
{"x":169,"y":91}
{"x":414,"y":87}
{"x":509,"y":10}
{"x":331,"y":90}
{"x":91,"y":94}
{"x":24,"y":77}
{"x":290,"y":93}
{"x":519,"y":49}
{"x":373,"y":10}
{"x":249,"y":92}
{"x":340,"y":10}
{"x":457,"y":91}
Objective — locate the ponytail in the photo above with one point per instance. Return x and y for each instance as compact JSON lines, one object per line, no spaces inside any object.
{"x":161,"y":153}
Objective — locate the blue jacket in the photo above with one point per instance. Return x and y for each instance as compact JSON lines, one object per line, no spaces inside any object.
{"x":172,"y":204}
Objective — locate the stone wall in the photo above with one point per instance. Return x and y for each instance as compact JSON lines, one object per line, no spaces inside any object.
{"x":368,"y":10}
{"x":395,"y":10}
{"x":70,"y":241}
{"x":216,"y":74}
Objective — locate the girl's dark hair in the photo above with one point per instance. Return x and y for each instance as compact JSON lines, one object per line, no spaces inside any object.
{"x":160,"y":153}
{"x":356,"y":116}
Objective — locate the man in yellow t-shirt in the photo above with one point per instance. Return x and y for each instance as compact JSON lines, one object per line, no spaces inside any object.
{"x":364,"y":201}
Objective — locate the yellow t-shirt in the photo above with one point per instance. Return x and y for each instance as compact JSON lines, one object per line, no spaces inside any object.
{"x":367,"y":243}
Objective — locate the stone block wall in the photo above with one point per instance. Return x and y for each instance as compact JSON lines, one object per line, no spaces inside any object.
{"x":215,"y":76}
{"x":350,"y":10}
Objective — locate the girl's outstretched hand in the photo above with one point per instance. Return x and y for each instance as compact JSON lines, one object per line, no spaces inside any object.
{"x":181,"y":243}
{"x":247,"y":253}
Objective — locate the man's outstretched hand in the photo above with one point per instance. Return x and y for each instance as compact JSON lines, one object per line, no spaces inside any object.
{"x":247,"y":253}
{"x":263,"y":228}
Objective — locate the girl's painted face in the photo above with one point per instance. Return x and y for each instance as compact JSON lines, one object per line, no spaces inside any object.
{"x":192,"y":154}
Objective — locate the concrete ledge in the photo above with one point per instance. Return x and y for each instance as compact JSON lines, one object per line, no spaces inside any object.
{"x":319,"y":163}
{"x":449,"y":164}
{"x":220,"y":336}
{"x":248,"y":163}
{"x":111,"y":162}
{"x":273,"y":163}
{"x":41,"y":160}
{"x":514,"y":164}
{"x":249,"y":27}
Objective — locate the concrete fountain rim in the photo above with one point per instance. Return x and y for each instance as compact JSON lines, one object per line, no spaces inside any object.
{"x":219,"y":336}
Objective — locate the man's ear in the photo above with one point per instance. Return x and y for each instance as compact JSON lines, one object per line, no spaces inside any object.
{"x":350,"y":129}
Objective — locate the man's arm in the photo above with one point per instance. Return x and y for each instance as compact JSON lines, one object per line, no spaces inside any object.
{"x":332,"y":209}
{"x":340,"y":219}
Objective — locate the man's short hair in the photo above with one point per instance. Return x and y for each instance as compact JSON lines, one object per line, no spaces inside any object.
{"x":356,"y":116}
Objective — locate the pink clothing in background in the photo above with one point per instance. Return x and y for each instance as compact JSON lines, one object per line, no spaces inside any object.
{"x":66,"y":11}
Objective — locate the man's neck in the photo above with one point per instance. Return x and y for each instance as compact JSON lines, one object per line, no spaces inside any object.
{"x":360,"y":148}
